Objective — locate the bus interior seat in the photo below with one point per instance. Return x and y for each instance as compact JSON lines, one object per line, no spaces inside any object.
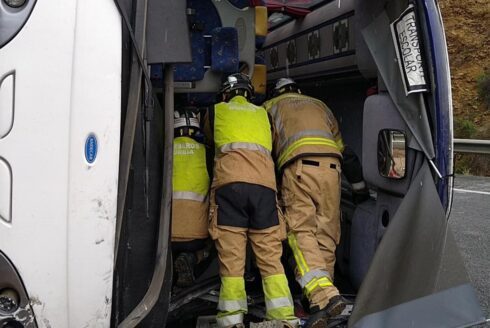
{"x":203,"y":18}
{"x":224,"y":50}
{"x":193,"y":71}
{"x":261,"y":23}
{"x":223,"y":36}
{"x":370,"y":219}
{"x":363,"y":243}
{"x":380,"y":113}
{"x":223,"y":61}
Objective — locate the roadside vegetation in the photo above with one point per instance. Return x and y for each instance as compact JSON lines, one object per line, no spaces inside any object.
{"x":471,"y":164}
{"x":468,"y":41}
{"x":483,"y":87}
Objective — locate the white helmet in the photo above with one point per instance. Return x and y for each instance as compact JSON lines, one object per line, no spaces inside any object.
{"x":185,"y":118}
{"x":283,"y":85}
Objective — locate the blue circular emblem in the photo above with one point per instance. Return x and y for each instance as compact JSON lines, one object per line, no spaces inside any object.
{"x":91,"y":148}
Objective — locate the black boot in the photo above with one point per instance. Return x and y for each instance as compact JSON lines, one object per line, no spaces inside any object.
{"x":335,"y":306}
{"x":184,"y":267}
{"x":318,"y":319}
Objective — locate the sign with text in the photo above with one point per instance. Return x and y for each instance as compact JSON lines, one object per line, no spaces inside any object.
{"x":410,"y":58}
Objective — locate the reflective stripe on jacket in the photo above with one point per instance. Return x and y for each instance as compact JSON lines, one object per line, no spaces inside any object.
{"x":190,"y":190}
{"x":303,"y":126}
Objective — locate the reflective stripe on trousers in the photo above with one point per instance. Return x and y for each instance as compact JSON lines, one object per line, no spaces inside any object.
{"x":232,"y":305}
{"x":309,"y":279}
{"x":316,"y":283}
{"x":232,"y":301}
{"x":244,"y":145}
{"x":188,"y":195}
{"x":278,"y":300}
{"x":229,"y":320}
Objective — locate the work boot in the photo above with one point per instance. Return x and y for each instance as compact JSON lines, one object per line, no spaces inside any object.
{"x":335,"y":306}
{"x":184,"y":267}
{"x":275,"y":324}
{"x":238,"y":325}
{"x":317,"y":319}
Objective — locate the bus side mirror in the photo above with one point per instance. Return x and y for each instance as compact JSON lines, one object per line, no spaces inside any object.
{"x":392,"y":154}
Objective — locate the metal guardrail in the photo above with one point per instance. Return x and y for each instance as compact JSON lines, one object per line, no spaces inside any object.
{"x":473,"y":146}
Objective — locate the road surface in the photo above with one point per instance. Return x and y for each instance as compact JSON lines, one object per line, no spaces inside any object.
{"x":470,"y":222}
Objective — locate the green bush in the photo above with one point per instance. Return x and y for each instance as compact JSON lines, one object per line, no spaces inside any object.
{"x":464,"y":129}
{"x":483,"y":86}
{"x":472,"y":164}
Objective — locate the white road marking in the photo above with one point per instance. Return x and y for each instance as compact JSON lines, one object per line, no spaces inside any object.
{"x":472,"y":191}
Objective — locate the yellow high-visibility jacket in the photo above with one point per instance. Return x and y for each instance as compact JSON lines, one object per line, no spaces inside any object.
{"x":190,"y":190}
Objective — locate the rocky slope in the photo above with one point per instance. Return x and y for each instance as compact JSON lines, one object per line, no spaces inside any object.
{"x":467,"y":24}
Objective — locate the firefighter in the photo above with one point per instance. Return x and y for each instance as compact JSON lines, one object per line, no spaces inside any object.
{"x":243,"y":205}
{"x":190,"y":197}
{"x":308,"y":147}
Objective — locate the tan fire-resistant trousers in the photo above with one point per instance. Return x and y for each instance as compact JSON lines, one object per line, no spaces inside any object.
{"x":231,"y":244}
{"x":311,"y":196}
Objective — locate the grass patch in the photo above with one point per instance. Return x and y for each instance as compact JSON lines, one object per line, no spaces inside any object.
{"x":483,"y":87}
{"x":472,"y":164}
{"x":464,"y":129}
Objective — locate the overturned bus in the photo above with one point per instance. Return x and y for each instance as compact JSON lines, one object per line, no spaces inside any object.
{"x":87,"y":93}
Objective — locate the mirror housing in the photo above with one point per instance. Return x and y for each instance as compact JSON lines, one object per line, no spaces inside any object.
{"x":392,"y":154}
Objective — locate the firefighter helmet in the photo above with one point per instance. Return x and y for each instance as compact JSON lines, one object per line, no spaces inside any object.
{"x":186,"y":121}
{"x":237,"y":81}
{"x":283,"y":85}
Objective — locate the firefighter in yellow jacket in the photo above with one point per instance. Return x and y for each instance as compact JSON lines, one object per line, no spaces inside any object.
{"x":308,"y":151}
{"x":243,"y":205}
{"x":190,"y":197}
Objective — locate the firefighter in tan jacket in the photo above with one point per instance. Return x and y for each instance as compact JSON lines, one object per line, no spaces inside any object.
{"x":243,"y":205}
{"x":190,"y":200}
{"x":308,"y":151}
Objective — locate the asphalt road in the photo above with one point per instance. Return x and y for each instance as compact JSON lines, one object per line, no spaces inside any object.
{"x":470,"y":222}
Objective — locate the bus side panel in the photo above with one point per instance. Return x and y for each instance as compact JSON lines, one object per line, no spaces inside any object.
{"x":95,"y":112}
{"x":36,"y":149}
{"x":66,"y":62}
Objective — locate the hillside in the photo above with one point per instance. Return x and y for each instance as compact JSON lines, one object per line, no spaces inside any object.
{"x":467,"y":24}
